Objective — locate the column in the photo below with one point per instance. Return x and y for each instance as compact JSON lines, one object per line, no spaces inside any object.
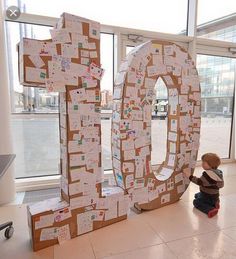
{"x":7,"y":182}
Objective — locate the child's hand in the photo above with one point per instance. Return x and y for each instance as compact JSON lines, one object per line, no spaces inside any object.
{"x":187,"y":172}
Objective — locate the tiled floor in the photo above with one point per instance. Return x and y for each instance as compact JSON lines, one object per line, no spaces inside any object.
{"x":175,"y":231}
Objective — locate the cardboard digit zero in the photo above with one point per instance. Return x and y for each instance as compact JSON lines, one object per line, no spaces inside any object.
{"x":131,"y":123}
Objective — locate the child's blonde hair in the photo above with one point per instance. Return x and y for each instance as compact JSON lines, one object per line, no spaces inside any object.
{"x":212,"y":160}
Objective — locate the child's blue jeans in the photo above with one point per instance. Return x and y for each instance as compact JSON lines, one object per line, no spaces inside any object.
{"x":204,"y":202}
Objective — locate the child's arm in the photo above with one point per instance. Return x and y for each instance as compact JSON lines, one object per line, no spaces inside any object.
{"x":204,"y":180}
{"x":221,"y":184}
{"x":196,"y":180}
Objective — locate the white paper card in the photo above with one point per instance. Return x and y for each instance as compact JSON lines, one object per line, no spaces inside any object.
{"x":63,"y":234}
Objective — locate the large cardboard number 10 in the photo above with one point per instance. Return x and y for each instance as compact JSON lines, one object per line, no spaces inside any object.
{"x":69,"y":63}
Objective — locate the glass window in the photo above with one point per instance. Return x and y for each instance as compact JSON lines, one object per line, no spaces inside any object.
{"x":107,"y":62}
{"x":35,"y":122}
{"x":217,"y":76}
{"x":34,"y":119}
{"x":36,"y":144}
{"x":207,"y":13}
{"x":220,"y":22}
{"x":159,"y":123}
{"x":156,"y":15}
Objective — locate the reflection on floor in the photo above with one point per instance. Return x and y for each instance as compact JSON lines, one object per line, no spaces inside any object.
{"x":175,"y":231}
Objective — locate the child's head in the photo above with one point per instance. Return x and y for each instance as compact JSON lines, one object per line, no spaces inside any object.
{"x":210,"y":161}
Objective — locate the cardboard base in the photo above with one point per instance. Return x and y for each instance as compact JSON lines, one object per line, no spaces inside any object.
{"x":36,"y":234}
{"x":155,"y":204}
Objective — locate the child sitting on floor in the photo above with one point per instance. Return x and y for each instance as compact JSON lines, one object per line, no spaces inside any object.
{"x":207,"y":200}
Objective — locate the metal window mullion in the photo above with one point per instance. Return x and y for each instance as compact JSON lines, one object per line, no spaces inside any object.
{"x":192,"y":18}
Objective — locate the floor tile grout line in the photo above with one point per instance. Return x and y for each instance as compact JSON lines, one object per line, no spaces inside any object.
{"x":210,"y":222}
{"x":128,"y":251}
{"x":228,"y":236}
{"x":151,"y":227}
{"x":229,"y":227}
{"x":172,"y":251}
{"x":222,"y":228}
{"x":53,"y":252}
{"x":218,"y":229}
{"x":196,"y":235}
{"x":90,"y":241}
{"x":213,"y":224}
{"x":162,"y":242}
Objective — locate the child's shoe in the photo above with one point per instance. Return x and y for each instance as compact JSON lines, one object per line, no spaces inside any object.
{"x":212,"y":213}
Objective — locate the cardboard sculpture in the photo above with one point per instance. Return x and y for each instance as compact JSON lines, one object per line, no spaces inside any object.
{"x":69,"y":63}
{"x":131,"y":126}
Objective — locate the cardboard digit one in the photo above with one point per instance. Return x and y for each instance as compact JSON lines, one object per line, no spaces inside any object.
{"x":69,"y":63}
